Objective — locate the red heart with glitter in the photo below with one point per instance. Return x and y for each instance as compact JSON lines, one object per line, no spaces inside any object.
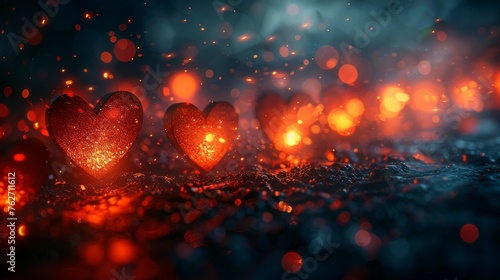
{"x":203,"y":137}
{"x":285,"y":124}
{"x":95,"y":138}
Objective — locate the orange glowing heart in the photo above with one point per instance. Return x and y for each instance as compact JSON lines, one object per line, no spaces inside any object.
{"x":204,"y":137}
{"x":286,"y":125}
{"x":95,"y":139}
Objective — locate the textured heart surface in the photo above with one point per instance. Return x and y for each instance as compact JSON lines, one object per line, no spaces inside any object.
{"x":203,"y":137}
{"x":285,"y":124}
{"x":95,"y":138}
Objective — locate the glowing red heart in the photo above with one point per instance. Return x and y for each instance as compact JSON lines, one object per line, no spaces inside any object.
{"x":95,"y":139}
{"x":203,"y":137}
{"x":286,"y":125}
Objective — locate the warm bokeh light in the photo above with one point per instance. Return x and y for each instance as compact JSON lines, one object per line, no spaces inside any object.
{"x":25,"y":93}
{"x":348,"y":73}
{"x":292,"y":138}
{"x":496,"y":81}
{"x":287,"y":125}
{"x":291,"y":262}
{"x":362,"y":238}
{"x":424,"y":67}
{"x":307,"y":115}
{"x":7,"y":91}
{"x":184,"y":86}
{"x":284,"y":52}
{"x":106,"y":57}
{"x":209,"y":73}
{"x":442,"y":36}
{"x":92,"y":253}
{"x":121,"y":251}
{"x":326,"y":57}
{"x":466,"y":94}
{"x":165,"y":91}
{"x":285,"y":207}
{"x":343,"y":109}
{"x":19,"y":157}
{"x":427,"y":96}
{"x":469,"y":233}
{"x":22,"y":230}
{"x":393,"y":100}
{"x":280,"y":79}
{"x":20,"y":181}
{"x":340,"y":121}
{"x":4,"y":110}
{"x":355,"y":107}
{"x":124,"y":50}
{"x":209,"y":137}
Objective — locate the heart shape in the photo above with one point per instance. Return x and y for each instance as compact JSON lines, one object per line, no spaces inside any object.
{"x":203,"y":137}
{"x":285,"y":124}
{"x":95,"y":139}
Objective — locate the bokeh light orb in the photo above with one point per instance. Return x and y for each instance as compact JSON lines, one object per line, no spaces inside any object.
{"x":326,"y":57}
{"x":466,"y":94}
{"x":393,"y":100}
{"x":348,"y":73}
{"x":124,"y":50}
{"x":291,"y":262}
{"x":427,"y":96}
{"x":184,"y":86}
{"x":341,"y":122}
